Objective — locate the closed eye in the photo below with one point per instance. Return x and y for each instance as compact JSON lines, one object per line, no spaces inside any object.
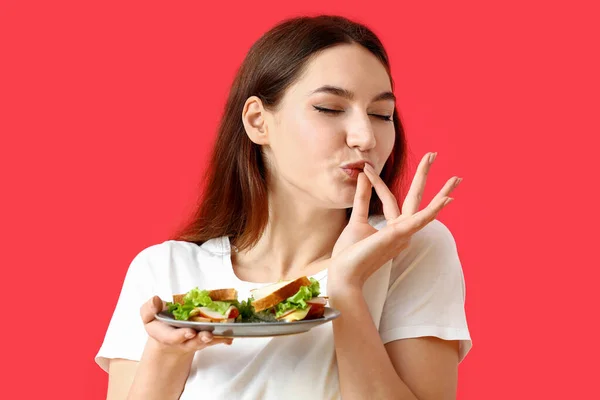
{"x":336,"y":112}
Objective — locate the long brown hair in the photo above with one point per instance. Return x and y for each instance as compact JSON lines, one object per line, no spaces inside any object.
{"x":235,"y":199}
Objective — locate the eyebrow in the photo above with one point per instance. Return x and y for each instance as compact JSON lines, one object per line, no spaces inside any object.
{"x":347,"y":94}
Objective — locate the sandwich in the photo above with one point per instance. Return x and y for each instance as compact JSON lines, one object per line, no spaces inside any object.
{"x":284,"y":301}
{"x":289,"y":301}
{"x":219,"y":305}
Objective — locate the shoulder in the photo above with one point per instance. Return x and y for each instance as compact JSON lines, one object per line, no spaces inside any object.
{"x":175,"y":253}
{"x":172,"y":266}
{"x":432,"y":252}
{"x":170,"y":248}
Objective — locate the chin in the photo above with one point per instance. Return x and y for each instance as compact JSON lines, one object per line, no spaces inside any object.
{"x":343,"y":199}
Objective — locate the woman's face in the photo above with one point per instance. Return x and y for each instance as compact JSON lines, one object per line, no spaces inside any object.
{"x":308,"y":146}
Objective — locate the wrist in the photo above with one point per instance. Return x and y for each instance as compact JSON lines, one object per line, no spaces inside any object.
{"x":164,"y":352}
{"x":343,"y":293}
{"x":339,"y":284}
{"x":161,"y":373}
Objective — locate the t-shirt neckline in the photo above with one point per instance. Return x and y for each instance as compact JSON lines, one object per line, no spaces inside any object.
{"x":226,"y":246}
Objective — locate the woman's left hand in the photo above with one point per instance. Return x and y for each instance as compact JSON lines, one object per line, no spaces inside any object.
{"x":361,"y":249}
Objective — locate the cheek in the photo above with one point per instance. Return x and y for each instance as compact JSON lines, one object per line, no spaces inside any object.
{"x":385,"y":144}
{"x":311,"y":140}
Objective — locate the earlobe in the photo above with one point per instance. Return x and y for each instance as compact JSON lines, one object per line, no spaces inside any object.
{"x":253,"y":117}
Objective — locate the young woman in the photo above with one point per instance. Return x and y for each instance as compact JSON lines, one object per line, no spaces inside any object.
{"x":308,"y":154}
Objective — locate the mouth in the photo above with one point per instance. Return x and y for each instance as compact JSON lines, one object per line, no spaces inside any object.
{"x":352,"y":170}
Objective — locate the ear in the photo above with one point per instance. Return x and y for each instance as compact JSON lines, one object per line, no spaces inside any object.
{"x":255,"y":121}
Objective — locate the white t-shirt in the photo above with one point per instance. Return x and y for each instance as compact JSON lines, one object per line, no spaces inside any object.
{"x":419,"y":293}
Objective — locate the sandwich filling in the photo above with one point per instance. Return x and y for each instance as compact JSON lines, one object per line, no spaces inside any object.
{"x":194,"y":300}
{"x":299,"y":300}
{"x":283,"y":301}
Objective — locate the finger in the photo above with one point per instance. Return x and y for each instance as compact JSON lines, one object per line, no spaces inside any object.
{"x":217,"y":340}
{"x":151,"y":308}
{"x":205,"y":339}
{"x":170,"y":335}
{"x":425,"y":216}
{"x":417,"y":187}
{"x":390,"y":204}
{"x":362,"y":197}
{"x":450,"y":185}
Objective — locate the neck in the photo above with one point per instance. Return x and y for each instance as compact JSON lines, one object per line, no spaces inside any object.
{"x":297,"y":237}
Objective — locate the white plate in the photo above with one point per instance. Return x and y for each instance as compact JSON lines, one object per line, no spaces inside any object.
{"x":251,"y":329}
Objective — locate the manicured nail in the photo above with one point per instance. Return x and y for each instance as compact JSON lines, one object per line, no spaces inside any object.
{"x":432,"y":157}
{"x":206,"y":339}
{"x":189,"y":335}
{"x":448,"y":201}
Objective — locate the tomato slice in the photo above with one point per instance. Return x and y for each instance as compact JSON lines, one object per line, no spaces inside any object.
{"x":234,"y":313}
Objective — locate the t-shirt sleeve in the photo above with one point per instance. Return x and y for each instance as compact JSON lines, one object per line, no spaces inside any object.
{"x":426,"y":296}
{"x":126,"y":336}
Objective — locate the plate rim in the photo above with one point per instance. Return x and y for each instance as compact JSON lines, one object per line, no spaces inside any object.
{"x":335,"y":314}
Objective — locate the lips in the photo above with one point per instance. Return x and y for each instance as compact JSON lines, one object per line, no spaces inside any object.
{"x":352,"y":172}
{"x":355,"y":168}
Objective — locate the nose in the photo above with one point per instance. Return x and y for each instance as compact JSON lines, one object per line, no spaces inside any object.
{"x":361,"y":135}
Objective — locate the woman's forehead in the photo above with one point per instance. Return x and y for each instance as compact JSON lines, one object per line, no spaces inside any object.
{"x":350,"y":67}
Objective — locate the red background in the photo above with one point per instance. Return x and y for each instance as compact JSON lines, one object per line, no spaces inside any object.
{"x":108,"y":112}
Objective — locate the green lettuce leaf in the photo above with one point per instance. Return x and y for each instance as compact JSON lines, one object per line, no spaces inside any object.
{"x":180,"y":311}
{"x":315,"y":288}
{"x":298,"y":301}
{"x":196,"y":298}
{"x":219,"y":306}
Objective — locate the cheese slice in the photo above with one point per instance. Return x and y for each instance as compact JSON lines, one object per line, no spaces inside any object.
{"x":295,"y":316}
{"x":214,"y":315}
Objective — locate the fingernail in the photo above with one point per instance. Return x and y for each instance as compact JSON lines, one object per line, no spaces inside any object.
{"x":229,"y":341}
{"x":458,"y":181}
{"x":189,"y":335}
{"x":432,"y":157}
{"x":206,"y":339}
{"x":368,"y":168}
{"x":152,"y":301}
{"x":448,"y":201}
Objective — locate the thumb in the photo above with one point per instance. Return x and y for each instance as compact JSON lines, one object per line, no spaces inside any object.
{"x":150,"y":308}
{"x":157,"y":304}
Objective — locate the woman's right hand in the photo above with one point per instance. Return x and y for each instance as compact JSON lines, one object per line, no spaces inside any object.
{"x":174,"y":340}
{"x":362,"y":249}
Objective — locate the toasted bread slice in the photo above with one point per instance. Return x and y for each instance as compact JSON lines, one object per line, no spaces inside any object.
{"x":270,"y":296}
{"x":215,"y":295}
{"x":223,"y":295}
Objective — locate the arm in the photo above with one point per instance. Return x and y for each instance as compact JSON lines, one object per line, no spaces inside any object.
{"x":165,"y":362}
{"x":120,"y":377}
{"x":404,"y":369}
{"x":158,"y":375}
{"x":428,"y":365}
